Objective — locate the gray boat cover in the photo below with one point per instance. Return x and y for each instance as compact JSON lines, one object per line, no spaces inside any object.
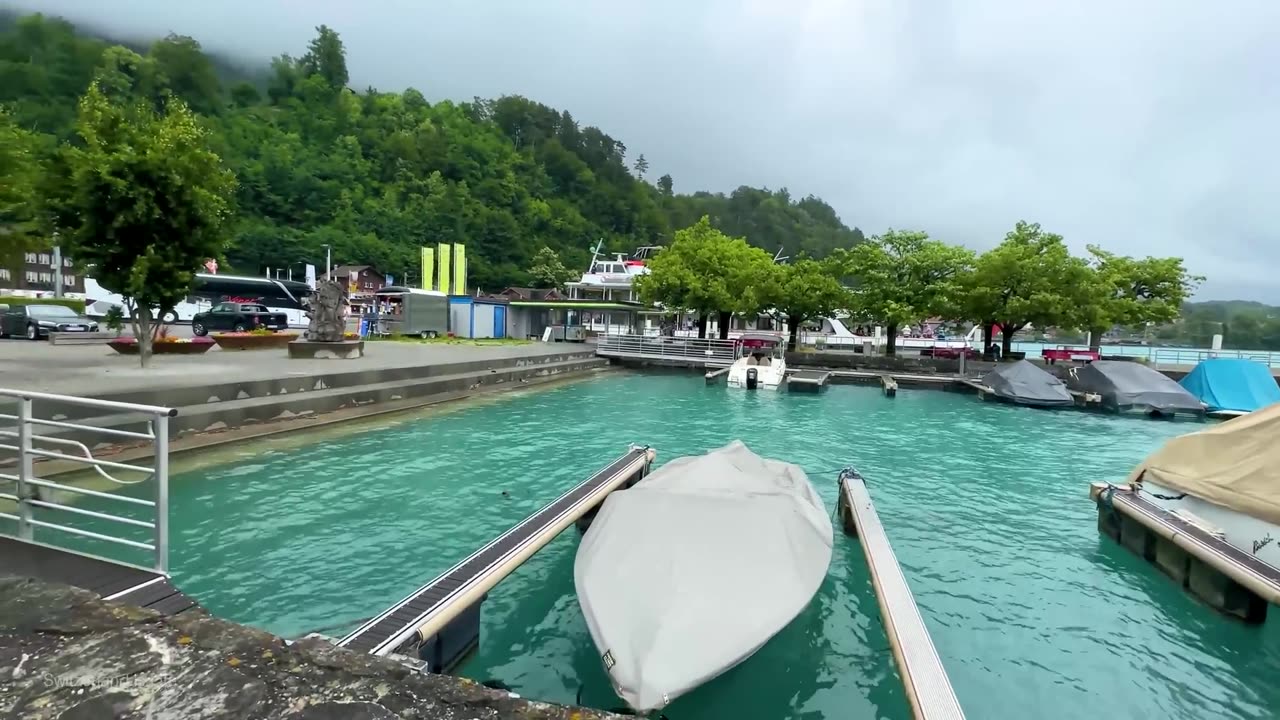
{"x":1023,"y":382}
{"x":1132,"y":386}
{"x":693,"y":569}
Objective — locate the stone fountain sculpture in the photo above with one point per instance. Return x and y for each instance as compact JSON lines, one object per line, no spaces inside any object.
{"x":326,"y":335}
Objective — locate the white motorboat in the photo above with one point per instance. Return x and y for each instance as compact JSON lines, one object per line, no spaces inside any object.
{"x":1225,"y":478}
{"x":759,"y":361}
{"x":696,"y":567}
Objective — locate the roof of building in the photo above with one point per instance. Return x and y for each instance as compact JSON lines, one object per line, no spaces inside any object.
{"x":525,"y":293}
{"x":348,"y":269}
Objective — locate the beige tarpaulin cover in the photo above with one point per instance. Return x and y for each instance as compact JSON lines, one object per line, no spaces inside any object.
{"x":1235,"y":464}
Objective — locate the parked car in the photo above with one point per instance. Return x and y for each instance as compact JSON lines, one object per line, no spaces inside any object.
{"x":237,"y":317}
{"x":37,"y":320}
{"x":949,"y":353}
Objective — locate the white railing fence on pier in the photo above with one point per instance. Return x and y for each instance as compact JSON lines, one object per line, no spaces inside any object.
{"x":708,"y":351}
{"x":23,"y":441}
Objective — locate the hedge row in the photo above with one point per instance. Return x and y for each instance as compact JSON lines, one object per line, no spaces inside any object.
{"x":11,"y":300}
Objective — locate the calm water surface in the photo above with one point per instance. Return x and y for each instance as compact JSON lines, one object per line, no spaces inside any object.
{"x":1033,"y":613}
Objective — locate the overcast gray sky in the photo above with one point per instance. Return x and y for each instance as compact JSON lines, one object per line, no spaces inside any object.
{"x":1146,"y":126}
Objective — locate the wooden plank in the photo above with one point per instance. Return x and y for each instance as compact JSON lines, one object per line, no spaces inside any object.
{"x":928,"y":688}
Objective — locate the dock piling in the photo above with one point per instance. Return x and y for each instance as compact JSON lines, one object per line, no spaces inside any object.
{"x":889,"y":385}
{"x":928,"y":689}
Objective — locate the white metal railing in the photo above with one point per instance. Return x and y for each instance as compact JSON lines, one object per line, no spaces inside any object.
{"x":705,"y":350}
{"x":26,"y":494}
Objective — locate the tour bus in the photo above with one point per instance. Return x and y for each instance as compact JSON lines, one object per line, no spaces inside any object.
{"x":281,"y":296}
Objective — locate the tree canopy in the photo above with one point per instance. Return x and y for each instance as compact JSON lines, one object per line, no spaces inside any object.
{"x":1029,"y":278}
{"x":378,"y":174}
{"x":148,"y":202}
{"x":708,"y":273}
{"x":803,"y":290}
{"x":904,"y":277}
{"x":1130,"y":292}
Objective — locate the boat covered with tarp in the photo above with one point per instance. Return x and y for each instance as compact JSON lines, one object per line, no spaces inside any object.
{"x":1232,"y":384}
{"x":1024,"y":383}
{"x":1227,"y":476}
{"x":1133,"y":387}
{"x":692,"y":570}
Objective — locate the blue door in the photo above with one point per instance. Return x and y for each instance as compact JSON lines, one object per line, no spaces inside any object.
{"x":499,"y":321}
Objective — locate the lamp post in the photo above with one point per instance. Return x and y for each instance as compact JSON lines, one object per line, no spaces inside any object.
{"x":328,"y":262}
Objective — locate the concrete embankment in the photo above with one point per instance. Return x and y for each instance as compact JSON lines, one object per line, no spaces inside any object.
{"x":65,"y":653}
{"x":236,"y":390}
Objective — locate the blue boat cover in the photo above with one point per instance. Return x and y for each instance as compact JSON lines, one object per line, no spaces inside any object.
{"x":1233,"y":384}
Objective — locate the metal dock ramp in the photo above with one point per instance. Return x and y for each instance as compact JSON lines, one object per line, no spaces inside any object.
{"x":39,"y":503}
{"x":424,"y":616}
{"x":113,"y":581}
{"x":927,"y":686}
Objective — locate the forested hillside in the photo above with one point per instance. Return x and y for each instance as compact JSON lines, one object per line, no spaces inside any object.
{"x":376,"y":174}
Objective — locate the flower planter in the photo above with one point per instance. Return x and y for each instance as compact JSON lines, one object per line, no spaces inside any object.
{"x":250,"y":341}
{"x":130,"y":346}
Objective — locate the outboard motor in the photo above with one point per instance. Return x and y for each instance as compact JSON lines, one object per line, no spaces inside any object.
{"x":752,"y":378}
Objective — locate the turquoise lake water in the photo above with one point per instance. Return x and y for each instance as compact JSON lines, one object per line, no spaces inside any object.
{"x":1033,"y":612}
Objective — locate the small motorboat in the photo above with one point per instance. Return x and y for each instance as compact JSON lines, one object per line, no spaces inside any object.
{"x":759,"y":361}
{"x":1023,"y":383}
{"x":1226,"y":477}
{"x":1232,"y":386}
{"x":692,"y":570}
{"x":1133,"y":387}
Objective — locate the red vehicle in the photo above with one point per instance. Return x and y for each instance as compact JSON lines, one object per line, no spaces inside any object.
{"x":1066,"y":353}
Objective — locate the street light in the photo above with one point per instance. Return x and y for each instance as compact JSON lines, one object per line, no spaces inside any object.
{"x":328,"y":262}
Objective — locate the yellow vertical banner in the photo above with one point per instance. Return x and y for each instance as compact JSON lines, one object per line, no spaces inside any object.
{"x":428,"y":268}
{"x":460,"y":269}
{"x":443,"y":253}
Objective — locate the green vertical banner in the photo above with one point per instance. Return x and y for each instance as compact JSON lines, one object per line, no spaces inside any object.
{"x":460,"y":269}
{"x":428,"y":268}
{"x":443,"y":253}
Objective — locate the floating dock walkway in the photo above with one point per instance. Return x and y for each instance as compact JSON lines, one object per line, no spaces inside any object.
{"x":927,"y":686}
{"x":1224,"y":576}
{"x":810,"y":381}
{"x":39,"y":504}
{"x":441,"y":619}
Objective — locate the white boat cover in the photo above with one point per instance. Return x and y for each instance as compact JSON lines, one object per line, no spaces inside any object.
{"x":1235,"y":464}
{"x":693,"y":569}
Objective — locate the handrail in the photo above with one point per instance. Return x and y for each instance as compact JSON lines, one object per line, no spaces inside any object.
{"x":667,"y":347}
{"x":28,"y":484}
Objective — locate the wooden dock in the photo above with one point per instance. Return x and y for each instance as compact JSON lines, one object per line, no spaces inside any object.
{"x":1224,"y":576}
{"x":810,"y":381}
{"x":441,"y":620}
{"x":928,"y":689}
{"x":112,"y":580}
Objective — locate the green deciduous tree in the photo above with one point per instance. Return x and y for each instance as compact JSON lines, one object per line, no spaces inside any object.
{"x":548,"y":271}
{"x":707,"y":272}
{"x":1029,"y":278}
{"x":19,"y":173}
{"x":803,"y":290}
{"x":666,"y":186}
{"x":904,"y":277}
{"x":327,"y":58}
{"x":1126,"y":291}
{"x":148,"y":203}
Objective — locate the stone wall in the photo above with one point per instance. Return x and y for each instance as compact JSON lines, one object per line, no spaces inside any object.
{"x":67,"y":654}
